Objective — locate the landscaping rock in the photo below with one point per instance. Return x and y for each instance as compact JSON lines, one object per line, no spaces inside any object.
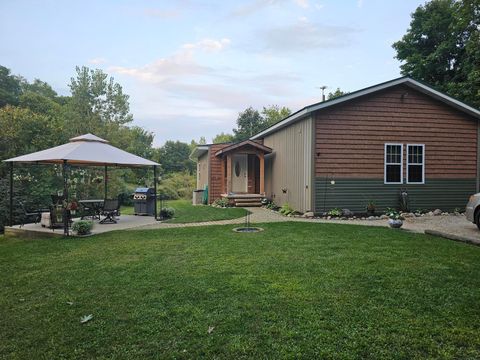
{"x":437,"y":212}
{"x":384,"y":217}
{"x":347,"y":212}
{"x":430,"y":213}
{"x":309,"y":214}
{"x":371,"y":218}
{"x":407,"y":215}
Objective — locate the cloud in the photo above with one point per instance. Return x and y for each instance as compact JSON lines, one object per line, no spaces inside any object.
{"x":209,"y":45}
{"x":304,"y":35}
{"x":302,"y":3}
{"x":97,"y":61}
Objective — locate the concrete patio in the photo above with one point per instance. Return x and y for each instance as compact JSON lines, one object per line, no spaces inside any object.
{"x":124,"y":222}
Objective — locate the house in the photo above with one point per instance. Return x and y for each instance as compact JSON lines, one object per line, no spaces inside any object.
{"x":369,"y":145}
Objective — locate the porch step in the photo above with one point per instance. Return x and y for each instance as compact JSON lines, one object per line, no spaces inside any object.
{"x":248,"y":201}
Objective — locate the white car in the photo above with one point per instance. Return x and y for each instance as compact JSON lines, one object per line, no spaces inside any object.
{"x":472,"y":211}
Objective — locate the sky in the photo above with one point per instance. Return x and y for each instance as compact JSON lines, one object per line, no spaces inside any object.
{"x":190,"y":67}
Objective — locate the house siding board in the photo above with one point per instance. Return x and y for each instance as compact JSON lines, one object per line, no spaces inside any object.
{"x":355,"y":193}
{"x":290,"y":165}
{"x":349,"y":149}
{"x":216,"y":176}
{"x":350,"y":138}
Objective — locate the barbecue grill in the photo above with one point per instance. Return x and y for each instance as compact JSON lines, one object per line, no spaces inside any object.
{"x":144,"y":201}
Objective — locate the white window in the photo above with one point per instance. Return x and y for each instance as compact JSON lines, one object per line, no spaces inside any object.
{"x":415,"y":164}
{"x":393,"y":164}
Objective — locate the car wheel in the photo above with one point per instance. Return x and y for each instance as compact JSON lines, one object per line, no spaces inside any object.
{"x":477,"y":218}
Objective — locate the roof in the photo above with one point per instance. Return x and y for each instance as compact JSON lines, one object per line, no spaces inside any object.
{"x":240,"y":144}
{"x":426,"y":89}
{"x":87,"y":149}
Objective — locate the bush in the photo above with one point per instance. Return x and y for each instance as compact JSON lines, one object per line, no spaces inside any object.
{"x":167,"y":213}
{"x":82,"y":227}
{"x":167,"y":192}
{"x":393,"y":214}
{"x":286,"y":209}
{"x":336,"y":212}
{"x":179,"y":185}
{"x":221,"y":202}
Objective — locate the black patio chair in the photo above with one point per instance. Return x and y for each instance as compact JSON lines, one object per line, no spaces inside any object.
{"x":111,"y":208}
{"x":34,"y":215}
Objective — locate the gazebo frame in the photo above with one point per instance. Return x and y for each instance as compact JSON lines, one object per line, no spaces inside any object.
{"x":122,"y":159}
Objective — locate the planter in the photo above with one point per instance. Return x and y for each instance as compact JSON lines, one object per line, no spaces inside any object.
{"x":395,"y":224}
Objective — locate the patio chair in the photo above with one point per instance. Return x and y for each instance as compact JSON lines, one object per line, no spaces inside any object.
{"x":34,"y":215}
{"x":111,"y":208}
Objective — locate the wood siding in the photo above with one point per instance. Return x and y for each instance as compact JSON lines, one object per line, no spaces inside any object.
{"x":215,"y":178}
{"x":350,"y":137}
{"x":202,"y":171}
{"x":288,"y":170}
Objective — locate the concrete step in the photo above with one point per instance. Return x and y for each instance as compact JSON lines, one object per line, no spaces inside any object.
{"x":248,"y":204}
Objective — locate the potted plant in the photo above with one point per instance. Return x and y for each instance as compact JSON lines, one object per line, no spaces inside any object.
{"x":395,"y":220}
{"x":371,"y":207}
{"x":82,"y":227}
{"x":72,"y":206}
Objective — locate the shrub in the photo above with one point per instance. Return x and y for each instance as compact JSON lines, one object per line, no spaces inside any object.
{"x":82,"y":227}
{"x":393,"y":214}
{"x":167,"y":192}
{"x":221,"y":202}
{"x":336,"y":212}
{"x":167,"y":212}
{"x":286,"y":209}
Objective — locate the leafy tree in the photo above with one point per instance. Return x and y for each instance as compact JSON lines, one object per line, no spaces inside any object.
{"x":174,"y":156}
{"x":39,"y":87}
{"x":249,"y":122}
{"x":222,"y":138}
{"x":274,"y":114}
{"x":98,"y":104}
{"x":337,"y":93}
{"x":10,"y":88}
{"x":442,"y":47}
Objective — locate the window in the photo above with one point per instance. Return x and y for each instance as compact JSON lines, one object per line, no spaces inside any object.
{"x":415,"y":164}
{"x":393,"y":163}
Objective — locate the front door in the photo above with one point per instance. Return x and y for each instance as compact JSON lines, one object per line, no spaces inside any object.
{"x":239,"y":173}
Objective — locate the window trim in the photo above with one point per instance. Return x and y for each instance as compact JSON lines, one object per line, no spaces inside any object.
{"x":385,"y":164}
{"x":423,"y":164}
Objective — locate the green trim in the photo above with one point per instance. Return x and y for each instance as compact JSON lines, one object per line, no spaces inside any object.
{"x":354,"y":194}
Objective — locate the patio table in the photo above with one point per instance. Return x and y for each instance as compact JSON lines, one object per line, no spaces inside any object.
{"x":93,"y":207}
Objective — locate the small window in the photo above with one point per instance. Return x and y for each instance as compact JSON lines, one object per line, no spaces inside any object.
{"x":393,"y":163}
{"x":415,"y":164}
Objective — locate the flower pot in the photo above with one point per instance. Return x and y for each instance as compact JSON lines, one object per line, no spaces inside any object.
{"x":395,"y":224}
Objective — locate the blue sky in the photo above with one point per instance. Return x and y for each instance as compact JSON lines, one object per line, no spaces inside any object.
{"x":191,"y":66}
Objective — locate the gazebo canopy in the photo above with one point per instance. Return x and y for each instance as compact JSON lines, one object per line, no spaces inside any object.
{"x":86,"y":149}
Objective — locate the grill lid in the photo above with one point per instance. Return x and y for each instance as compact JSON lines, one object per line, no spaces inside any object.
{"x":142,"y":190}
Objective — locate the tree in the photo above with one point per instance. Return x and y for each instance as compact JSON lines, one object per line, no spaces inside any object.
{"x":98,"y":104}
{"x":174,"y":156}
{"x":222,"y":138}
{"x":441,"y":47}
{"x":249,"y":122}
{"x":274,"y":114}
{"x":336,"y":93}
{"x":10,"y":88}
{"x":39,"y":87}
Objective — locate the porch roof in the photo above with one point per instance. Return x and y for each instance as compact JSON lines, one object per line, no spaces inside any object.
{"x":247,"y":143}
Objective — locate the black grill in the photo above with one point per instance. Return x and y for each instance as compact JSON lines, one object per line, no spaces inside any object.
{"x":144,"y":201}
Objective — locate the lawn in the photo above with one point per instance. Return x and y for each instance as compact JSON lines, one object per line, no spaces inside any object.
{"x":296,"y":290}
{"x":185,"y":212}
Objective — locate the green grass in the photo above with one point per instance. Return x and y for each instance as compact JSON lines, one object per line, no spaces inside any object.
{"x":296,"y":290}
{"x":185,"y":212}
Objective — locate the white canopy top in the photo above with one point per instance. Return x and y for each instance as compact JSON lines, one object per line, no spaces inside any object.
{"x":86,"y":149}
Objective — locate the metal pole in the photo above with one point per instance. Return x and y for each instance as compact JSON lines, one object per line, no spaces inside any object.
{"x":155,"y":187}
{"x":11,"y":194}
{"x":105,"y":181}
{"x":65,"y":199}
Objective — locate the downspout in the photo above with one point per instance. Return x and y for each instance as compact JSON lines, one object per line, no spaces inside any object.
{"x":477,"y":187}
{"x":155,"y":187}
